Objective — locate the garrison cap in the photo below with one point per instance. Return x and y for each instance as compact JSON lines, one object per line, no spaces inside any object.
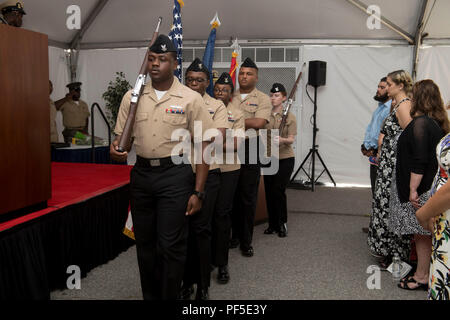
{"x":225,"y":79}
{"x":74,"y":85}
{"x":12,"y":5}
{"x":198,"y":66}
{"x":248,"y":63}
{"x":277,"y":87}
{"x":163,"y":45}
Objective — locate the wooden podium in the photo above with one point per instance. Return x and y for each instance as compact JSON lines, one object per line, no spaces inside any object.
{"x":24,"y":119}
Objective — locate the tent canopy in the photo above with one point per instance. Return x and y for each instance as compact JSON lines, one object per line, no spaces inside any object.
{"x":119,"y":22}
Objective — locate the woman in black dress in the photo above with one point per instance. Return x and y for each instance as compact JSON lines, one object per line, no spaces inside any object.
{"x":415,"y":169}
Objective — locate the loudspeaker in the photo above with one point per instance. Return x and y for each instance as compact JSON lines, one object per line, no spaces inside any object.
{"x":317,"y":73}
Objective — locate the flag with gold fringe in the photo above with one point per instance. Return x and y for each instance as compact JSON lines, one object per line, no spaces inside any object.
{"x":128,"y":230}
{"x":208,"y":56}
{"x":234,"y":64}
{"x":176,"y":35}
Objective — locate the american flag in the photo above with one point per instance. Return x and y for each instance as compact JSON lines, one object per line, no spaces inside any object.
{"x":176,"y":35}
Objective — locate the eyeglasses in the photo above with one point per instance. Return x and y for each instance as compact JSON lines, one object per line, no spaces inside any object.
{"x":199,"y":80}
{"x":217,"y":90}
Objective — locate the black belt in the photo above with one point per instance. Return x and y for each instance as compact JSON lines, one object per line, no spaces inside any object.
{"x":155,"y":163}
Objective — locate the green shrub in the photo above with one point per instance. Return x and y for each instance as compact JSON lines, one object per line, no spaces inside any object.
{"x":113,"y":97}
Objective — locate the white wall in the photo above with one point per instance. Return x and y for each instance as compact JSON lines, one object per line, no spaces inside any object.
{"x":97,"y":68}
{"x":345,"y":103}
{"x":345,"y":106}
{"x":434,"y":63}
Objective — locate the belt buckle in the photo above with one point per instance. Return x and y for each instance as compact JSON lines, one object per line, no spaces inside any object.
{"x":155,"y":163}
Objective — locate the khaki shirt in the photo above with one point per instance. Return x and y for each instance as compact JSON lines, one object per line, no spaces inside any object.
{"x":236,"y":122}
{"x":285,"y":150}
{"x":75,"y":115}
{"x":255,"y":105}
{"x":156,"y":120}
{"x":218,"y":113}
{"x":53,"y":131}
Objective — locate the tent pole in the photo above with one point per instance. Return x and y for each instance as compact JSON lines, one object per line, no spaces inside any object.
{"x":360,"y":5}
{"x":74,"y":46}
{"x":419,"y":35}
{"x":95,"y":12}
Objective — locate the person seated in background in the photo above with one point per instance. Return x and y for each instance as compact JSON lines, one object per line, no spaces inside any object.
{"x":53,"y":131}
{"x":12,"y":11}
{"x":75,"y":112}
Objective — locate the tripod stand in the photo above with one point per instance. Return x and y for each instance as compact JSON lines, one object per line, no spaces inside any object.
{"x":312,"y":152}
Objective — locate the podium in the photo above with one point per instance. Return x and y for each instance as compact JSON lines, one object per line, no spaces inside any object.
{"x":24,"y":120}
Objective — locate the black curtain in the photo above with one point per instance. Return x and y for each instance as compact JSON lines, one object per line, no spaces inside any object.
{"x":34,"y":256}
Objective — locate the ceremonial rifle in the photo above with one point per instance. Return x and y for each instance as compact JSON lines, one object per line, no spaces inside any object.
{"x":125,"y":138}
{"x":290,"y":101}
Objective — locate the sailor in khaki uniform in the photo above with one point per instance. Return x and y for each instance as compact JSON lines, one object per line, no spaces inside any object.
{"x":53,"y":131}
{"x":75,"y":112}
{"x":275,"y":185}
{"x":256,"y":107}
{"x":163,"y":192}
{"x":198,"y":263}
{"x":221,"y":223}
{"x":12,"y":11}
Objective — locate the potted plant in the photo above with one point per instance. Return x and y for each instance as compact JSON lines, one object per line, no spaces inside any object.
{"x":113,"y":97}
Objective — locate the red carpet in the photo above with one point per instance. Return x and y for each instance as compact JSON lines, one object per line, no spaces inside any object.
{"x":75,"y":182}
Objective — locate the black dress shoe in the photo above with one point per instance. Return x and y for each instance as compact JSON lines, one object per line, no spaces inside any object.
{"x":247,"y":252}
{"x":186,"y":292}
{"x":202,"y":294}
{"x":269,"y":230}
{"x":223,"y":276}
{"x":283,"y":231}
{"x":234,"y":243}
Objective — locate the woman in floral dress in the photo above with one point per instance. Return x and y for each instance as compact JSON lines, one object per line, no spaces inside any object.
{"x":435,"y":216}
{"x":383,"y":244}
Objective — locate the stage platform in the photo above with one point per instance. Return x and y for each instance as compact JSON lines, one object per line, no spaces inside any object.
{"x":82,"y":226}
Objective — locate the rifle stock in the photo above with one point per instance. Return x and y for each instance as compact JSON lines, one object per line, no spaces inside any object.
{"x":290,"y":101}
{"x":125,"y":138}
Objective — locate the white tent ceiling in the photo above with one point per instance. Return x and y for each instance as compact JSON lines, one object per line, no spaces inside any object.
{"x":134,"y":20}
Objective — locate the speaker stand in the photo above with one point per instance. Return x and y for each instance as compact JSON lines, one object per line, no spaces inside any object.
{"x":312,"y":153}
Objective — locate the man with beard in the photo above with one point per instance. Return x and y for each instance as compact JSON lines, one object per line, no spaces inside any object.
{"x":75,"y":112}
{"x":369,"y":148}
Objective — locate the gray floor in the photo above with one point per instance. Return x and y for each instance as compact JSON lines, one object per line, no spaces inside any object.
{"x":324,"y":257}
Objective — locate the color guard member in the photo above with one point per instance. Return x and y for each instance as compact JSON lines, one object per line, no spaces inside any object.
{"x":223,"y":90}
{"x":275,"y":185}
{"x":163,"y":192}
{"x":256,"y":107}
{"x":198,"y":263}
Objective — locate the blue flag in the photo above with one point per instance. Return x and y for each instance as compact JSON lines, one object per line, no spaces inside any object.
{"x":208,"y":56}
{"x":176,"y":35}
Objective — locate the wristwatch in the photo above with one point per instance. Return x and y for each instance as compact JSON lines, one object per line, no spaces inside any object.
{"x":200,"y":195}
